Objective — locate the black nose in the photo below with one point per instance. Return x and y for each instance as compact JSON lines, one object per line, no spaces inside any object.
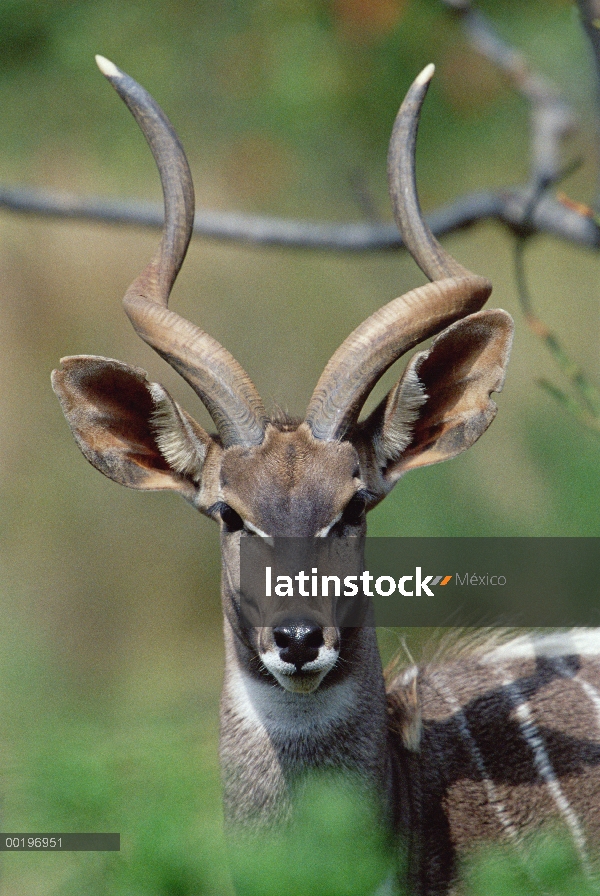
{"x":298,"y":641}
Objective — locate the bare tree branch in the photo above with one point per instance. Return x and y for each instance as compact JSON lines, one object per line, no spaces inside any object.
{"x":508,"y":207}
{"x":551,"y":120}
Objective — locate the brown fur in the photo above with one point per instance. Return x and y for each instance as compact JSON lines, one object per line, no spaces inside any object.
{"x":477,"y":776}
{"x":287,"y":704}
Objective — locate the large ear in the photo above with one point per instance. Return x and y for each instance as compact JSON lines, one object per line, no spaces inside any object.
{"x":442,"y":403}
{"x":129,"y":429}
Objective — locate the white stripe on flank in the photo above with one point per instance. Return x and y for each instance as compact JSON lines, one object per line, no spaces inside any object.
{"x":589,"y":690}
{"x":491,"y":792}
{"x":544,"y":767}
{"x":583,"y":641}
{"x":593,"y":694}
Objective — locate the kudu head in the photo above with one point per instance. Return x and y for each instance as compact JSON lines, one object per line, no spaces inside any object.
{"x":264,"y":477}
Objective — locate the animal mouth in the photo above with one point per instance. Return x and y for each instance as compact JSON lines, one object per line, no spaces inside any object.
{"x":301,"y":682}
{"x":298,"y":678}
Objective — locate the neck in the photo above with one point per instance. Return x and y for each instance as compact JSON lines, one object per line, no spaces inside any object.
{"x":270,"y":737}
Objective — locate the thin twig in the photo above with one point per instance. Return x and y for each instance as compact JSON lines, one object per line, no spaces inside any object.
{"x":589,"y":11}
{"x":585,"y":406}
{"x":551,"y":117}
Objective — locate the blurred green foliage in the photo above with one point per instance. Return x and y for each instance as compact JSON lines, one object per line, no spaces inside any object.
{"x":111,"y":656}
{"x":149,"y":779}
{"x":333,"y":847}
{"x":549,"y":864}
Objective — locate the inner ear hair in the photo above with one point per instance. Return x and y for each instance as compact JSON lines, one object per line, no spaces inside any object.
{"x":402,"y":408}
{"x":441,"y":404}
{"x":181,"y":441}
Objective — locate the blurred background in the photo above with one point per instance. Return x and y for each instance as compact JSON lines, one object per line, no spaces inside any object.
{"x":110,"y":649}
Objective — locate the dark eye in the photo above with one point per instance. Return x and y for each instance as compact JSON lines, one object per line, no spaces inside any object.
{"x":231,"y":519}
{"x":354,"y":512}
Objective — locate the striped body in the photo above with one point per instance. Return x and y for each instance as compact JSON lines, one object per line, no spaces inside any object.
{"x":509,"y":738}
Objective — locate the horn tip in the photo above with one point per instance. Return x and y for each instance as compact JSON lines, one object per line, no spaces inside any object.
{"x":425,"y":76}
{"x":108,"y":68}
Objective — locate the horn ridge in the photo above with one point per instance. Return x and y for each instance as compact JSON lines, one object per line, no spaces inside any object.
{"x":174,"y":171}
{"x":379,"y":341}
{"x":221,"y":383}
{"x":376,"y":344}
{"x":431,"y":257}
